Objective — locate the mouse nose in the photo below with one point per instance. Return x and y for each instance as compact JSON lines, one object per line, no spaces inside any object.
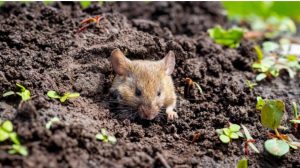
{"x":147,"y":112}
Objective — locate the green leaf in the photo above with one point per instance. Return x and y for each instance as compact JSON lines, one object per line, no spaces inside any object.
{"x":249,"y":137}
{"x":260,"y":77}
{"x":64,"y":97}
{"x":85,"y":4}
{"x":73,"y":95}
{"x":271,"y":113}
{"x":243,"y":163}
{"x":234,"y":127}
{"x":240,"y":134}
{"x":112,"y":139}
{"x":53,"y":120}
{"x":19,"y":149}
{"x":295,"y":121}
{"x":21,"y":86}
{"x":99,"y":136}
{"x":295,"y":109}
{"x":253,"y":147}
{"x":226,"y":131}
{"x":7,"y":126}
{"x":219,"y":131}
{"x":9,"y":93}
{"x":224,"y":138}
{"x":277,"y":147}
{"x":234,"y":135}
{"x":52,"y":94}
{"x":3,"y":135}
{"x":259,"y":52}
{"x":260,"y":103}
{"x":25,"y":95}
{"x":14,"y":138}
{"x":199,"y":88}
{"x":270,"y":46}
{"x":230,"y":38}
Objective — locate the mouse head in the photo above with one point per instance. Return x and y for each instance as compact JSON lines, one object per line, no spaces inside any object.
{"x":142,"y":84}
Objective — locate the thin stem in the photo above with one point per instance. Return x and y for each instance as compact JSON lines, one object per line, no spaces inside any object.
{"x":276,"y":132}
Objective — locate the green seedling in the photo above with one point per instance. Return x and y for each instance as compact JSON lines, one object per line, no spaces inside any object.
{"x":260,"y":102}
{"x":24,"y":94}
{"x":230,"y":38}
{"x":54,"y":95}
{"x":52,"y":121}
{"x":250,"y":84}
{"x":270,"y":62}
{"x":277,"y":147}
{"x":85,"y":4}
{"x":296,"y":120}
{"x":243,"y":163}
{"x":271,"y":115}
{"x":17,"y":148}
{"x":6,"y":132}
{"x":249,"y":141}
{"x":105,"y":137}
{"x":227,"y":134}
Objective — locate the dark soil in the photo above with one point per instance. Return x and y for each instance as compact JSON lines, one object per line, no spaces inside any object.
{"x":39,"y":48}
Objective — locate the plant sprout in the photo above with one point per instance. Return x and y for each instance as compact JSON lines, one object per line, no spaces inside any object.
{"x":105,"y":137}
{"x":6,"y":132}
{"x":296,"y":119}
{"x":249,"y":141}
{"x":227,"y":134}
{"x":271,"y":61}
{"x":54,"y":95}
{"x":250,"y":84}
{"x":52,"y":121}
{"x":243,"y":163}
{"x":271,"y":115}
{"x":24,"y":94}
{"x":230,"y":38}
{"x":189,"y":85}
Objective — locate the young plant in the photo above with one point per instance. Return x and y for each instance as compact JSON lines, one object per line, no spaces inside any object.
{"x":54,"y":95}
{"x":105,"y":137}
{"x":227,"y":134}
{"x":250,"y":84}
{"x":243,"y":163}
{"x":85,"y":4}
{"x":6,"y":132}
{"x":230,"y":38}
{"x":296,"y":120}
{"x":271,"y":115}
{"x":271,"y":61}
{"x":24,"y":94}
{"x":53,"y":120}
{"x":249,"y":141}
{"x":189,"y":84}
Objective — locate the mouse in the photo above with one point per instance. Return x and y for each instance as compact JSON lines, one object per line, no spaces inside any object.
{"x":145,"y":85}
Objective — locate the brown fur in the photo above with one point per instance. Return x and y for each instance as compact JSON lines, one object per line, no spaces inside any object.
{"x":150,"y":77}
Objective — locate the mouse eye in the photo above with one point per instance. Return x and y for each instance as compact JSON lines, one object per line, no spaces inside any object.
{"x":158,"y":93}
{"x":138,"y":92}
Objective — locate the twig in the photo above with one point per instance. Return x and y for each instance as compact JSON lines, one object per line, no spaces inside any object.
{"x":162,"y":160}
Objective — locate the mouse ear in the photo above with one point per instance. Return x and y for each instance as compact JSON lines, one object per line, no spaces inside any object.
{"x":119,"y":62}
{"x":169,"y":62}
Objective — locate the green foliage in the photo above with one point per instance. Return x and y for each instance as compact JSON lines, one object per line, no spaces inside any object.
{"x":273,"y":61}
{"x":230,"y":38}
{"x":6,"y":132}
{"x":54,"y":95}
{"x":249,"y":138}
{"x":250,"y":84}
{"x":24,"y":94}
{"x":271,"y":113}
{"x":277,"y":147}
{"x":296,"y":119}
{"x":85,"y":4}
{"x":105,"y":137}
{"x":227,"y":134}
{"x":48,"y":2}
{"x":52,"y":121}
{"x":243,"y":9}
{"x":243,"y":163}
{"x":260,"y":103}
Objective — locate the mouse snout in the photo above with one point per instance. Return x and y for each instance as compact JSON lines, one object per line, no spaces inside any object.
{"x":147,"y":112}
